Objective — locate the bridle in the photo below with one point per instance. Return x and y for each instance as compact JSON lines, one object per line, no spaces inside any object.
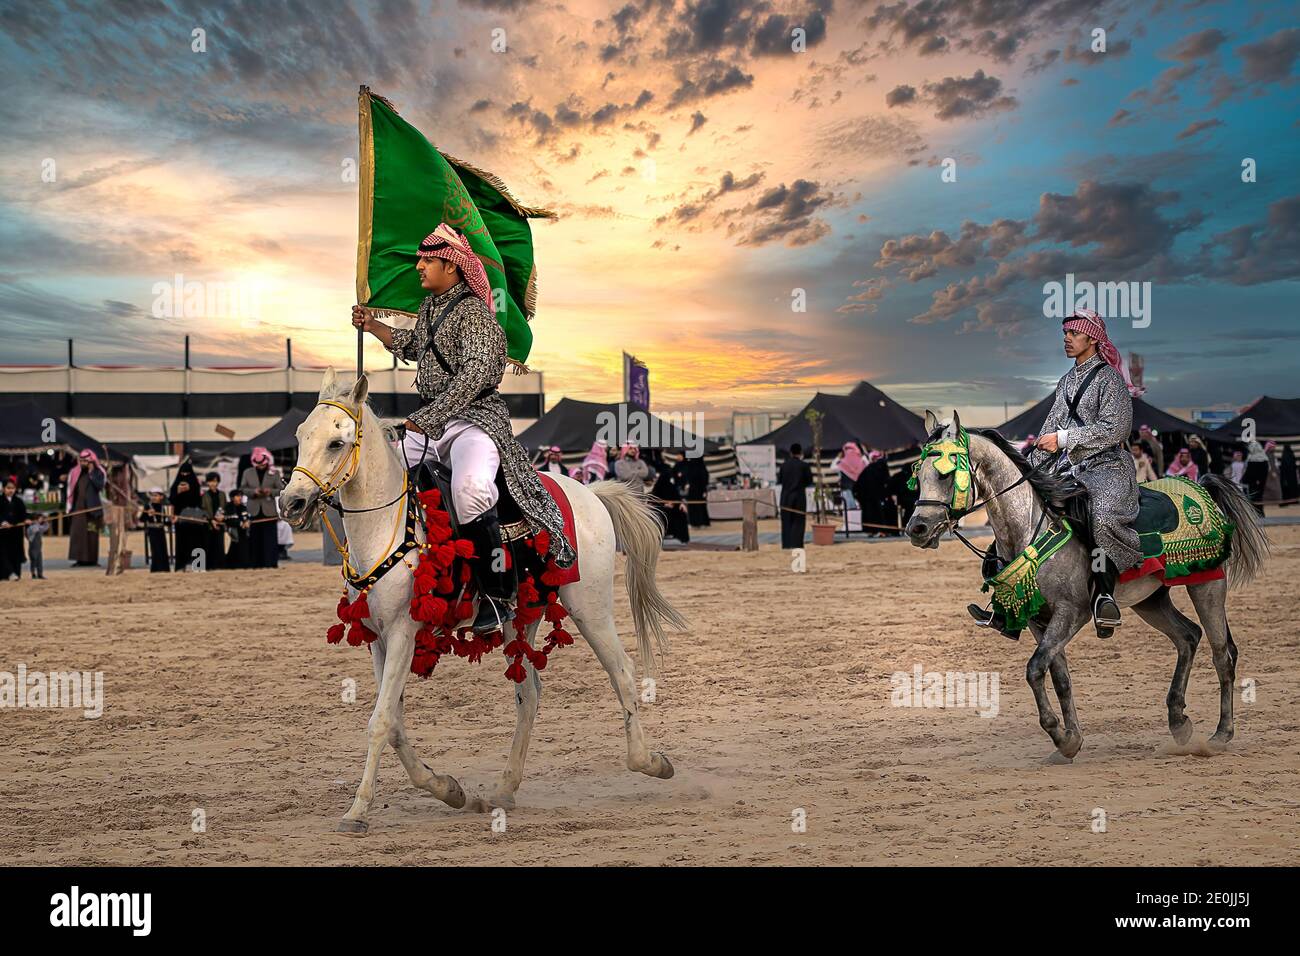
{"x":952,"y":457}
{"x":329,"y":488}
{"x":348,"y":466}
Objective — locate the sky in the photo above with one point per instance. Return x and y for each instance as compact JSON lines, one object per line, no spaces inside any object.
{"x":760,"y":200}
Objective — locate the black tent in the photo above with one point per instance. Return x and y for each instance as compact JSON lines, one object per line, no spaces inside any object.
{"x":866,"y":414}
{"x":1161,"y":422}
{"x":574,"y":425}
{"x":1275,"y":418}
{"x":25,"y":429}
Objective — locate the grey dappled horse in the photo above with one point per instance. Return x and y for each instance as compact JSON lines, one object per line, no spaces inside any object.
{"x":1065,"y":581}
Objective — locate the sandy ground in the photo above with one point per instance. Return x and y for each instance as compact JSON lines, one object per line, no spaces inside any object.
{"x":222,"y":696}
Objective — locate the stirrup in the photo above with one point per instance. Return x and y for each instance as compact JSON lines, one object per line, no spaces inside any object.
{"x":984,"y":617}
{"x":489,"y":618}
{"x":1106,"y":619}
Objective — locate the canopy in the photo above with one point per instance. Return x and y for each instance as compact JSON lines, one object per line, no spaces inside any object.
{"x":23,"y":430}
{"x":573,"y":425}
{"x":866,"y":414}
{"x":1028,"y":422}
{"x":1273,"y":417}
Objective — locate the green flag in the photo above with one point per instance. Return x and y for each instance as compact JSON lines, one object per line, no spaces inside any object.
{"x":407,"y":188}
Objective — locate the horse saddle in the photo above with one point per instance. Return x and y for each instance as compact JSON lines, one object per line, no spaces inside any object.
{"x":1157,"y":513}
{"x":1157,"y":516}
{"x":436,"y":474}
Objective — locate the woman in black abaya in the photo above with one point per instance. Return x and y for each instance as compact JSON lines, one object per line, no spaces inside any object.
{"x":191,"y":522}
{"x":668,"y":502}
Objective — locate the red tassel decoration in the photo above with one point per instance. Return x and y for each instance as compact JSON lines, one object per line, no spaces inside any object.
{"x":436,"y":604}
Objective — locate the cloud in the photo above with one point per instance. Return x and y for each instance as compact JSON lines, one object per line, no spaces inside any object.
{"x":871,"y":137}
{"x":1002,"y":317}
{"x":700,"y":81}
{"x":1196,"y":46}
{"x":997,"y":30}
{"x":784,"y":213}
{"x":728,"y":184}
{"x":1113,"y":230}
{"x":961,"y":97}
{"x":868,"y":300}
{"x":1198,"y":127}
{"x":1083,"y":56}
{"x":1272,"y":59}
{"x":920,"y":257}
{"x":1268,"y":251}
{"x":900,"y":95}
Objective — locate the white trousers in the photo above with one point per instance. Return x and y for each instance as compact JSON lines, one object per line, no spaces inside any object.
{"x":474,"y":461}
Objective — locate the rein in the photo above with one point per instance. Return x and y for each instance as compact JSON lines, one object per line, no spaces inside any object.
{"x":953,"y":457}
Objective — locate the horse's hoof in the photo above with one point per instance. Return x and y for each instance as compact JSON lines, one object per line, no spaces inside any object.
{"x":477,"y":805}
{"x":1057,"y":759}
{"x":1219,"y":741}
{"x":666,"y":770}
{"x":354,"y":827}
{"x":1182,"y":732}
{"x":455,"y":797}
{"x":502,"y":800}
{"x":1071,"y":745}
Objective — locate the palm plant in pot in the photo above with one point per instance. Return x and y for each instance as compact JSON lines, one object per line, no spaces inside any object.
{"x":823,"y":529}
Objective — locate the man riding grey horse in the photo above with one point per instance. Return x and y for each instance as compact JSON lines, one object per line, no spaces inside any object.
{"x":1084,"y":434}
{"x":463,"y":421}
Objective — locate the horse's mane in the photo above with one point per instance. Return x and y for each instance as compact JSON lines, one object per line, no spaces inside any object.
{"x":1054,"y":489}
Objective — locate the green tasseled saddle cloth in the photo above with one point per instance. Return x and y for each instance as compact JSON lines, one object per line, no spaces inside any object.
{"x":1180,"y":524}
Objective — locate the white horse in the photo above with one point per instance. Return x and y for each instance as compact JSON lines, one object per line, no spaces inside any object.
{"x":344,"y":443}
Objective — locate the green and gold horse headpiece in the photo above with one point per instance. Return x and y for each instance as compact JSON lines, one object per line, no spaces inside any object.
{"x":951,"y":457}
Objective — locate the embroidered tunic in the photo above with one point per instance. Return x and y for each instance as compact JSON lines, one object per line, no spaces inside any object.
{"x":1096,"y":451}
{"x":474,"y":345}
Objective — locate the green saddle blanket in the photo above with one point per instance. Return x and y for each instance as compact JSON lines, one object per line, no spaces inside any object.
{"x":1179,"y":522}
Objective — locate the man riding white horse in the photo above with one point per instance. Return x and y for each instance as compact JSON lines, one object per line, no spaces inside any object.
{"x":1085,"y":432}
{"x":461,"y":351}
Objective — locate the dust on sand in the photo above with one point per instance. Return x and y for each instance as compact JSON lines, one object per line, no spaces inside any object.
{"x":222,"y":696}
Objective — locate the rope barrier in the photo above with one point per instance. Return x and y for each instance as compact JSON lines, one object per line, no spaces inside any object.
{"x":763,"y":504}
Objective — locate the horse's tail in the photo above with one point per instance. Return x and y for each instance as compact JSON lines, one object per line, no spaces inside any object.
{"x":1249,"y":543}
{"x":638,"y":529}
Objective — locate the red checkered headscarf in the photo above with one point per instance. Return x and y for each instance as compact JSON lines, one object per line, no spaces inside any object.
{"x":446,"y":243}
{"x":1092,"y":325}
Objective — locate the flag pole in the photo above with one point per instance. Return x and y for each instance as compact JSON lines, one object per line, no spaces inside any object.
{"x":365,"y":209}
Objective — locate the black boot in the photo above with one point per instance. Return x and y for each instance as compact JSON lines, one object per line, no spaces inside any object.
{"x":987,"y":617}
{"x":496,"y":584}
{"x":1105,"y":610}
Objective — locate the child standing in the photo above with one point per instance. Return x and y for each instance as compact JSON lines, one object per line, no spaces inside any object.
{"x":35,"y":549}
{"x":238,"y":555}
{"x":155,"y":531}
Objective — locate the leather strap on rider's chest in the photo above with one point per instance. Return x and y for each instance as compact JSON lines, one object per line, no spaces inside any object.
{"x":435,"y":325}
{"x":1072,"y":405}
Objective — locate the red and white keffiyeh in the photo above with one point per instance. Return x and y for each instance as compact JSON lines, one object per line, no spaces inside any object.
{"x":1092,"y":325}
{"x":446,"y":243}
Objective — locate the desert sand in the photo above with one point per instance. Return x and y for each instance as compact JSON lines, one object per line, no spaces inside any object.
{"x":221,"y":695}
